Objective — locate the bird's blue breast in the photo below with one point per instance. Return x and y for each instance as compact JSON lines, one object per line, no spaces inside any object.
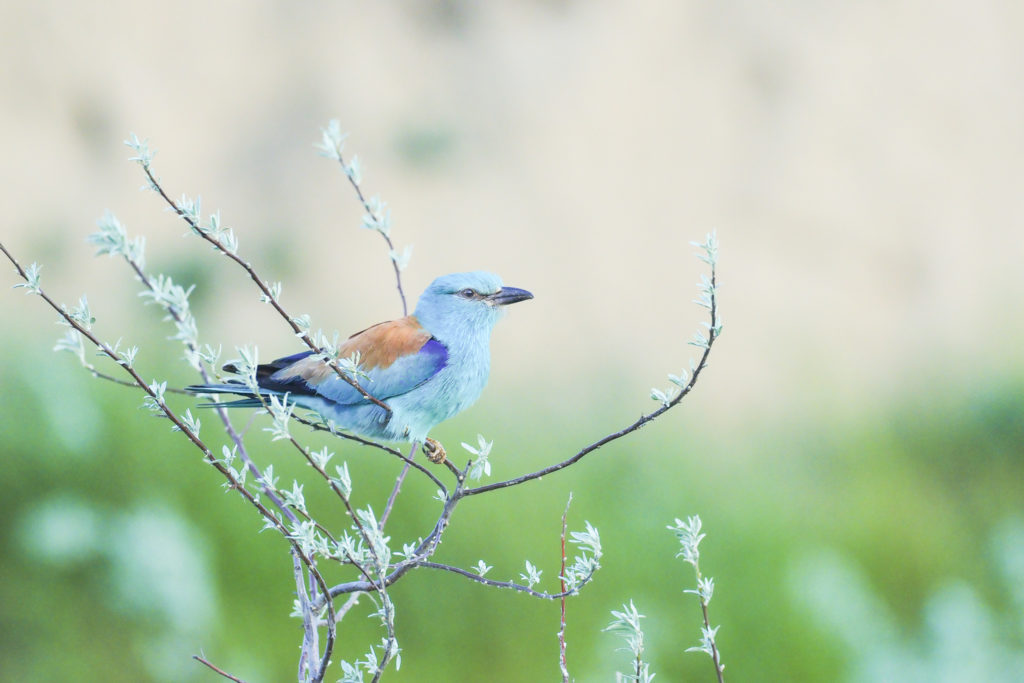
{"x":451,"y":390}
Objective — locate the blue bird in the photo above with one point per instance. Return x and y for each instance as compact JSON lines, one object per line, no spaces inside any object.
{"x":426,"y":367}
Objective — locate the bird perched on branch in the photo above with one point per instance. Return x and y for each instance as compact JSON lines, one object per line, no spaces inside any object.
{"x":425,"y":367}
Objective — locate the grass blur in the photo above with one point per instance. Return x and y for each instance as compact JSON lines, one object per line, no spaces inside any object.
{"x":121,"y":550}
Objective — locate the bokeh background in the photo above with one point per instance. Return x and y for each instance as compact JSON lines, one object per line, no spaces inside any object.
{"x":854,"y":449}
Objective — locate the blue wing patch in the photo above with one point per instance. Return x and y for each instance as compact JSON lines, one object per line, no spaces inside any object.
{"x":404,"y":375}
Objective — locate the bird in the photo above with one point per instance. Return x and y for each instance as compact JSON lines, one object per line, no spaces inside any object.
{"x":426,"y":367}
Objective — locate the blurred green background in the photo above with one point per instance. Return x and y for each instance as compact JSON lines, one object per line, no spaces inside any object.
{"x":855,"y":448}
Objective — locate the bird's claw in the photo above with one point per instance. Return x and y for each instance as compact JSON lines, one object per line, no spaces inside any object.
{"x":434,"y":451}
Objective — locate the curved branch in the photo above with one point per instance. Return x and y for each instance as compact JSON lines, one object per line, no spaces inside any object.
{"x":509,"y":584}
{"x":713,"y":334}
{"x":427,"y":547}
{"x":263,"y":286}
{"x":222,"y":672}
{"x":369,"y":210}
{"x":193,"y":437}
{"x":424,"y":550}
{"x":131,"y":385}
{"x":221,"y":411}
{"x":563,"y":662}
{"x":374,"y":444}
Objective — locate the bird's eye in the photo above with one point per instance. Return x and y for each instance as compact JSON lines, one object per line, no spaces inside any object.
{"x":468,"y":293}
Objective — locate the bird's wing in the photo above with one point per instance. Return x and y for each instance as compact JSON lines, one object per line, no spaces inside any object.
{"x":265,"y":370}
{"x":396,"y":356}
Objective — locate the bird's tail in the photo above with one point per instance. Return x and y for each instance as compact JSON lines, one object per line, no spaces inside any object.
{"x":237,"y":388}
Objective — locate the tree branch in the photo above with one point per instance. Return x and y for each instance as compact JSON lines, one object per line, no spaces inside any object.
{"x":368,"y":442}
{"x":507,"y":584}
{"x":563,"y":664}
{"x":352,"y":173}
{"x":264,"y":288}
{"x":713,"y":334}
{"x":222,"y":672}
{"x":180,"y":425}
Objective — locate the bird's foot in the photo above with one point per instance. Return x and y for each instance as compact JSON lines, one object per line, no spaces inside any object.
{"x":434,"y":451}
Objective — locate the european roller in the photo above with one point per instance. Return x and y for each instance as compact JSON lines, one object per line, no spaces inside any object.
{"x":426,"y":367}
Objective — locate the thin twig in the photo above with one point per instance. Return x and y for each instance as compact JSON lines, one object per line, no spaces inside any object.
{"x":333,"y":485}
{"x":643,"y":420}
{"x":310,"y":647}
{"x":387,"y":239}
{"x":332,"y":622}
{"x":398,"y":487}
{"x":715,"y":657}
{"x":422,"y":551}
{"x":562,"y":662}
{"x":141,"y":383}
{"x":222,"y":672}
{"x":263,"y":286}
{"x":507,"y":584}
{"x":131,"y":385}
{"x":221,"y":411}
{"x":374,"y":444}
{"x":208,"y":455}
{"x":378,"y":585}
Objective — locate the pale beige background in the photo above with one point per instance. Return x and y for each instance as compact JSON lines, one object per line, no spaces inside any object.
{"x":862,"y":162}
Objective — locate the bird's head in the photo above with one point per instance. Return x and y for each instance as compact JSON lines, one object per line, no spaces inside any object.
{"x":461,"y":303}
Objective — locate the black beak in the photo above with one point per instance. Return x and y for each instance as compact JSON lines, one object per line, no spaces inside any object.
{"x":508,"y":295}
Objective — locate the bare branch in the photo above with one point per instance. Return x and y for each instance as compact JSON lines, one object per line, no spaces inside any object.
{"x":264,"y":288}
{"x":713,"y":335}
{"x":507,"y":584}
{"x":374,"y":444}
{"x":310,"y":647}
{"x":222,"y":413}
{"x":398,"y":487}
{"x":222,"y":672}
{"x":181,"y":426}
{"x":563,"y":664}
{"x":331,"y":148}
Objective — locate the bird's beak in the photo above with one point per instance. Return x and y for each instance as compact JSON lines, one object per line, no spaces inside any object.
{"x":508,"y":295}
